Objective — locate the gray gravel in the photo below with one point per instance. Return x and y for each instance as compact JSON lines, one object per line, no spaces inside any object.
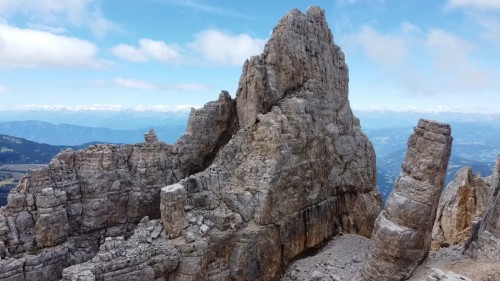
{"x":339,"y":260}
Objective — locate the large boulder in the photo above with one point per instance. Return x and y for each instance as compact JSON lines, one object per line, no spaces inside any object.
{"x":463,"y":199}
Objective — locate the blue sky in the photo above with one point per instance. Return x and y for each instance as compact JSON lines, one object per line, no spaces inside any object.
{"x":173,"y":54}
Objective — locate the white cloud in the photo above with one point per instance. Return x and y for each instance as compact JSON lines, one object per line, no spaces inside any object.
{"x":225,"y":49}
{"x":129,"y":53}
{"x":201,"y":7}
{"x":210,"y":46}
{"x":80,"y":13}
{"x":384,"y":49}
{"x":452,"y":58}
{"x":135,"y":84}
{"x":432,"y":62}
{"x":165,"y":108}
{"x":57,"y":107}
{"x":103,"y":107}
{"x":187,"y":106}
{"x":491,"y":29}
{"x":34,"y":48}
{"x":147,"y":50}
{"x":51,"y":29}
{"x":409,"y":28}
{"x":3,"y":89}
{"x":478,"y":4}
{"x":447,"y":47}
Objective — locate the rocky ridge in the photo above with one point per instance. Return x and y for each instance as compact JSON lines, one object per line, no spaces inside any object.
{"x":61,"y":214}
{"x":251,"y":185}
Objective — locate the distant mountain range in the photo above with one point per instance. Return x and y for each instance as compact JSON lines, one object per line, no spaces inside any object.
{"x":127,"y":119}
{"x":65,"y":134}
{"x":15,"y":150}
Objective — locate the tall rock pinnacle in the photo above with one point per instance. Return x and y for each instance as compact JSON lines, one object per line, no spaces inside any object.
{"x":402,"y":234}
{"x":300,"y":57}
{"x":250,"y":186}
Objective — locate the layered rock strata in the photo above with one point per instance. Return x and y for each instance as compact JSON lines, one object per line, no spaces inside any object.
{"x":463,"y":199}
{"x":297,"y":172}
{"x":60,"y":215}
{"x":484,"y":243}
{"x":402,"y":234}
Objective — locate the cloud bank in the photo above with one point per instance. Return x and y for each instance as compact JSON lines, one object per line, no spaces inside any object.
{"x":17,"y":49}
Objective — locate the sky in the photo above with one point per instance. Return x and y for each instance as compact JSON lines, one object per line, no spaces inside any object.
{"x":422,"y":55}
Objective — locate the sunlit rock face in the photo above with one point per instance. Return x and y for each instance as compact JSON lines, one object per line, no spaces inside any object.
{"x":253,"y":183}
{"x":403,"y":231}
{"x":60,"y":215}
{"x":463,"y":199}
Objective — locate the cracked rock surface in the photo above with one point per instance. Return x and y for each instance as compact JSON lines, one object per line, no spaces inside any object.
{"x":252,"y":184}
{"x":465,"y":198}
{"x":297,"y":172}
{"x":402,"y":234}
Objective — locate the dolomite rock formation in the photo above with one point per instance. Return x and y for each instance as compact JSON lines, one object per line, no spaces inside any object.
{"x":402,"y":234}
{"x":151,"y":136}
{"x":484,"y":243}
{"x":137,"y":258}
{"x":463,"y":199}
{"x":297,"y":172}
{"x":173,"y":200}
{"x":60,"y":215}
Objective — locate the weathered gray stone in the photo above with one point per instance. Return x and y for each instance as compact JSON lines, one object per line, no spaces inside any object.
{"x":484,"y":243}
{"x":263,"y":179}
{"x":402,"y":234}
{"x":173,"y":200}
{"x":439,"y":275}
{"x":105,"y":190}
{"x":151,"y":137}
{"x":134,"y":259}
{"x":463,"y":199}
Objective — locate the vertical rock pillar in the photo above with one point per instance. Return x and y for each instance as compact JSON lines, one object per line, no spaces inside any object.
{"x":173,"y":199}
{"x":484,"y":242}
{"x":403,"y":230}
{"x":52,"y":223}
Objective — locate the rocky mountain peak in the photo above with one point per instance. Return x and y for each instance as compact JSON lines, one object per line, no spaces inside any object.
{"x":252,"y":184}
{"x":300,"y":57}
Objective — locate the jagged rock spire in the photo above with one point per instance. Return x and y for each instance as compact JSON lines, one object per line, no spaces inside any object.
{"x":402,"y":234}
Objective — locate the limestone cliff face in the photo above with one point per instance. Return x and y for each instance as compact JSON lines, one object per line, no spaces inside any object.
{"x":402,"y":234}
{"x":105,"y":190}
{"x":484,"y":244}
{"x":463,"y":199}
{"x":298,"y":171}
